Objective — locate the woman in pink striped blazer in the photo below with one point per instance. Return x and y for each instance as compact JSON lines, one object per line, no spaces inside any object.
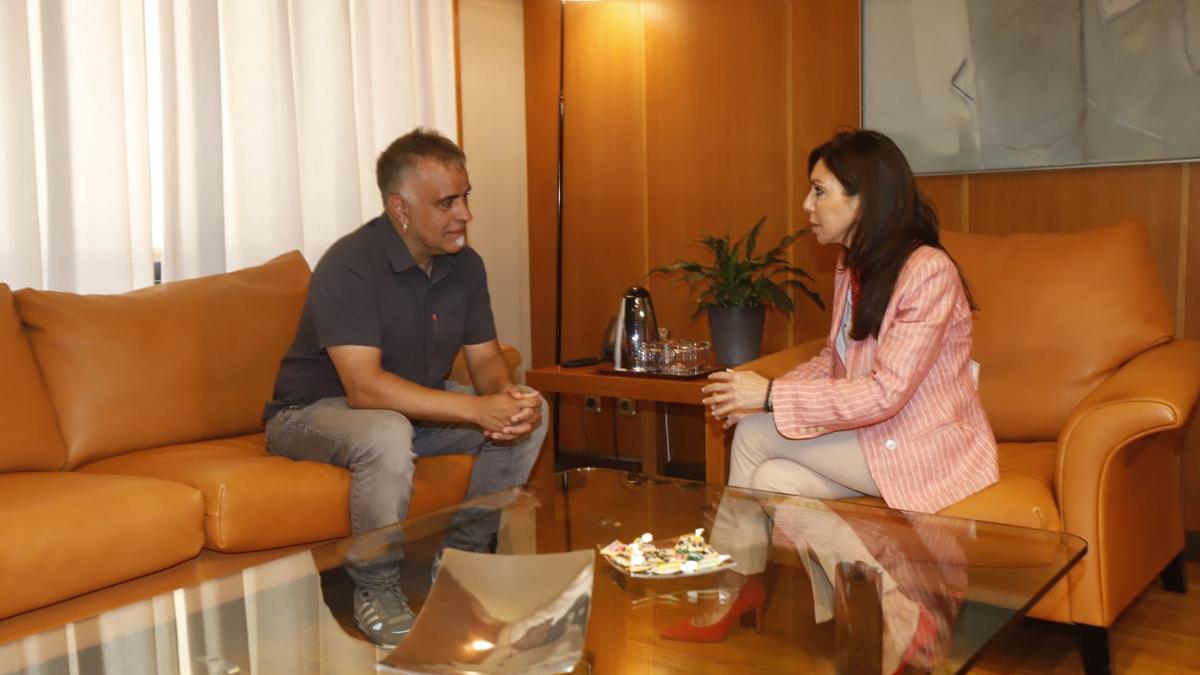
{"x":889,"y":407}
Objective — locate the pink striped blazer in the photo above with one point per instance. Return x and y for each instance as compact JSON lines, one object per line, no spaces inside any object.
{"x":909,"y":392}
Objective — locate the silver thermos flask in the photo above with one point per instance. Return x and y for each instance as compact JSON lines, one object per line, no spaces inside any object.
{"x":636,"y":325}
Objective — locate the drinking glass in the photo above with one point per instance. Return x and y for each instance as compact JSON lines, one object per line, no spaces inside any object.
{"x":681,"y":357}
{"x":648,"y":357}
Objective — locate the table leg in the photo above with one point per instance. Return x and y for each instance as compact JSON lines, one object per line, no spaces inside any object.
{"x":716,"y":456}
{"x":546,"y":464}
{"x":648,"y":412}
{"x":857,"y":619}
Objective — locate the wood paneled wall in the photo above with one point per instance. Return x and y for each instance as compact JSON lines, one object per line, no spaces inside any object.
{"x":683,"y":118}
{"x":687,"y":117}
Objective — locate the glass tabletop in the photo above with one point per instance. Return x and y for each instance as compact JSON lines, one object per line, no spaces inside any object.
{"x":795,"y":585}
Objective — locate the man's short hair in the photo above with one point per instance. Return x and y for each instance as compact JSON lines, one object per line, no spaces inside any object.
{"x":402,"y":155}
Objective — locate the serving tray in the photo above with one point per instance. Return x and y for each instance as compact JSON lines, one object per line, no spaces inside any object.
{"x":677,"y":574}
{"x":666,"y":376}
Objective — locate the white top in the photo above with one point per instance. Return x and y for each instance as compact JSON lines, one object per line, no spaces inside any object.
{"x":843,"y":336}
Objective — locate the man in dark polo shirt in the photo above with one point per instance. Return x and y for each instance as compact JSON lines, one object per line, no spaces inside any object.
{"x":364,"y":386}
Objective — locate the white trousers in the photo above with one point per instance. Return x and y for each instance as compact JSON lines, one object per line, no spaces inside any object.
{"x":826,"y":467}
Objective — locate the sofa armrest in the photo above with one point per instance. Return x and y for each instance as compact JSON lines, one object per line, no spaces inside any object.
{"x":460,"y":374}
{"x":1117,"y":477}
{"x":1155,"y":391}
{"x":774,"y":365}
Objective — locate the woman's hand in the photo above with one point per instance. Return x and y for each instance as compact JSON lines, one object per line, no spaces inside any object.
{"x":731,"y":392}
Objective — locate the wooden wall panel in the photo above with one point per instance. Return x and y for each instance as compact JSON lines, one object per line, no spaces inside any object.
{"x":1191,"y":329}
{"x":824,"y":92}
{"x":604,"y":195}
{"x":824,"y":73}
{"x":1079,"y":199}
{"x":947,"y":195}
{"x":604,"y":174}
{"x":1191,"y":214}
{"x":541,"y":141}
{"x":716,"y":111}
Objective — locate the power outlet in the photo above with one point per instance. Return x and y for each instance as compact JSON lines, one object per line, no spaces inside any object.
{"x":591,"y":403}
{"x":626,"y":407}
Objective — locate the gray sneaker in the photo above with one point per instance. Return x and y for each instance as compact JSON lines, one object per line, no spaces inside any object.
{"x":382,"y":614}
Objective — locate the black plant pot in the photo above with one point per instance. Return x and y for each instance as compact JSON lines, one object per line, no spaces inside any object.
{"x":736,"y":333}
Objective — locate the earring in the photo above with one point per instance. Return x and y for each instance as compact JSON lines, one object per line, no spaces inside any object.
{"x":405,"y":226}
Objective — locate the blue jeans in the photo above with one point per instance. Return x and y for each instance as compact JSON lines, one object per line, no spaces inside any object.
{"x":379,"y":447}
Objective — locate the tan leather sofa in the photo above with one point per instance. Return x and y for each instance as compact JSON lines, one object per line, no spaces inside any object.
{"x":1088,"y":393}
{"x":130,"y":435}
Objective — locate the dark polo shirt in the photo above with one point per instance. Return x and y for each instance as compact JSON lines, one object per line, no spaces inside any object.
{"x":367,"y":290}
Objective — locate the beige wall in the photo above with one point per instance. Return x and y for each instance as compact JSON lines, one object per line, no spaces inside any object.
{"x":492,"y":73}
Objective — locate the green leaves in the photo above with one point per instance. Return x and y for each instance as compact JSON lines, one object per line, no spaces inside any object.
{"x":738,"y":278}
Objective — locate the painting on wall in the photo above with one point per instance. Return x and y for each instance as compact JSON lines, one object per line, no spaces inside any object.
{"x":978,"y":85}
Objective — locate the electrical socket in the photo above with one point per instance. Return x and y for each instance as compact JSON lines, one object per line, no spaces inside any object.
{"x":591,"y":403}
{"x":626,"y":407}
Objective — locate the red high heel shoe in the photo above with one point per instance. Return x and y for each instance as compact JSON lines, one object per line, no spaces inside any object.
{"x":750,"y":598}
{"x":924,"y":639}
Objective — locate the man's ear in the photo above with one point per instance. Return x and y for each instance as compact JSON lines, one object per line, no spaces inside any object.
{"x":397,"y":207}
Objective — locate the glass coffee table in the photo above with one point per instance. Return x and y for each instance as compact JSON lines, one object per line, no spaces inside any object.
{"x":892,"y":588}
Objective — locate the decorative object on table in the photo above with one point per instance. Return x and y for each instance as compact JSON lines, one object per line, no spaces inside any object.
{"x":636,"y":326}
{"x":738,"y":287}
{"x":501,"y":614}
{"x":684,"y":556}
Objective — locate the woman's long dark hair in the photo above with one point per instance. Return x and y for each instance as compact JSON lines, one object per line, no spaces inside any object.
{"x":894,"y":218}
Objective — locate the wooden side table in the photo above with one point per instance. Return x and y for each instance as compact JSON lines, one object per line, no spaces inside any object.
{"x":585,"y":380}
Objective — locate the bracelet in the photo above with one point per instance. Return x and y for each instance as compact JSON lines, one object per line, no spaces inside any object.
{"x":767,"y":400}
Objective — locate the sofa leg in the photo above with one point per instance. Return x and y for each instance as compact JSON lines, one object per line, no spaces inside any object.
{"x":1093,"y":647}
{"x":1174,"y":577}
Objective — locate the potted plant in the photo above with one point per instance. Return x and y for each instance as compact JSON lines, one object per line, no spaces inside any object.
{"x":738,"y":287}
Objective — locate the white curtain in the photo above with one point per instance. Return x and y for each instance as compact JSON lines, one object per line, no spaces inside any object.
{"x":242,"y":128}
{"x":75,"y":192}
{"x":20,"y":243}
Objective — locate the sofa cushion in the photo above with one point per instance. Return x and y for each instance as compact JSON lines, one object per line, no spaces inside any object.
{"x":1058,"y":313}
{"x":184,"y":361}
{"x":254,"y":500}
{"x":29,"y":438}
{"x":69,"y":533}
{"x":1024,"y":496}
